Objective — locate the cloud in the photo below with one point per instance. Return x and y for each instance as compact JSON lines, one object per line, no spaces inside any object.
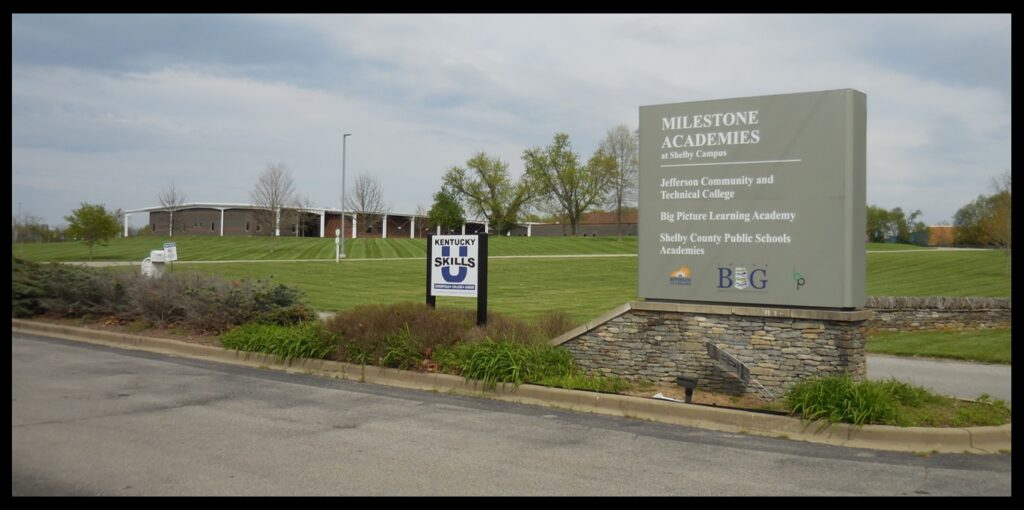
{"x":210,"y":100}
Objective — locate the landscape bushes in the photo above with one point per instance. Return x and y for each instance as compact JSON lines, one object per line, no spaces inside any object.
{"x":404,"y":334}
{"x":259,"y":316}
{"x":62,"y":291}
{"x":198,"y":302}
{"x":505,"y":350}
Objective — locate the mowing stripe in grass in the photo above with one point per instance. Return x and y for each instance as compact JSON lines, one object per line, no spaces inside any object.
{"x":973,"y":273}
{"x":192,"y":248}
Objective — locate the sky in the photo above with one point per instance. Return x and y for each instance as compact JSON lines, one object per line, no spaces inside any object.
{"x":114,"y":108}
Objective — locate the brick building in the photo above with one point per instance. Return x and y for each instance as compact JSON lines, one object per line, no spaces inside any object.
{"x":223,"y":219}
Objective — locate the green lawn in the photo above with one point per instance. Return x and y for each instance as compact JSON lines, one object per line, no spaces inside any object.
{"x":526,"y":287}
{"x":300,"y":248}
{"x":588,"y":287}
{"x":990,"y":345}
{"x":895,"y":247}
{"x":938,"y":273}
{"x":584,"y":288}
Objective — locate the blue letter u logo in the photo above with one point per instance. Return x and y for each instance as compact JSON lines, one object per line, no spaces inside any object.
{"x":446,"y":270}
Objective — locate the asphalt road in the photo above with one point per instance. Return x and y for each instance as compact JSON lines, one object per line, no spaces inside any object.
{"x":89,"y":420}
{"x":945,"y":377}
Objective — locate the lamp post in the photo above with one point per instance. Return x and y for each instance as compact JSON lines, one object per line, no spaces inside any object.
{"x":340,"y":251}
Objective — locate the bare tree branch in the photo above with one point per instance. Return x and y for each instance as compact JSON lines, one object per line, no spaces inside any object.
{"x":171,"y":198}
{"x":273,"y":194}
{"x":621,"y":144}
{"x":367,"y":199}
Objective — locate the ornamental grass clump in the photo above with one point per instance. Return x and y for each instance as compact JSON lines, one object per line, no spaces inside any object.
{"x":287,"y":342}
{"x":504,"y":362}
{"x":507,"y":362}
{"x":838,"y":399}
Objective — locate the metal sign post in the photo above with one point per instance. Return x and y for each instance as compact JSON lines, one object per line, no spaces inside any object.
{"x":171,"y":253}
{"x":481,"y":297}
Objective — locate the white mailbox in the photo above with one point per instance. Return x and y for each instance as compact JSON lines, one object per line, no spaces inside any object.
{"x":153,"y":265}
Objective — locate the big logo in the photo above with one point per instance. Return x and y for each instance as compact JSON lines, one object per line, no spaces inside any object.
{"x":446,"y":271}
{"x":739,"y":279}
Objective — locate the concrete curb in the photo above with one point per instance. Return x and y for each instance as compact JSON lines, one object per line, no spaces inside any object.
{"x":878,"y":437}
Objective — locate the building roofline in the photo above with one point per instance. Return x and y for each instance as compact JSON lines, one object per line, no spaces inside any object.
{"x":230,"y":205}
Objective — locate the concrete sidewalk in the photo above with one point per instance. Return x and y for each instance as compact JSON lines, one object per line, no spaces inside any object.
{"x":879,"y":437}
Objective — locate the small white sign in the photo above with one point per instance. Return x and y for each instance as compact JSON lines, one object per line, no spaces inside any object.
{"x":454,"y":264}
{"x":170,"y":252}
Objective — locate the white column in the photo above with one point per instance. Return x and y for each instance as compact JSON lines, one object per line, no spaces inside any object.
{"x":529,"y":231}
{"x":486,"y":228}
{"x":353,"y":225}
{"x":439,"y":230}
{"x":323,"y":216}
{"x":126,"y":215}
{"x":412,"y":229}
{"x":463,"y":229}
{"x":222,"y":222}
{"x":277,"y":222}
{"x":384,"y":227}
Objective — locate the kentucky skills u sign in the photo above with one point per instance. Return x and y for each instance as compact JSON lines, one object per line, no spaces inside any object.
{"x":454,"y":266}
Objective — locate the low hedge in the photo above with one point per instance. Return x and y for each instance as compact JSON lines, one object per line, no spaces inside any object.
{"x":199,"y":302}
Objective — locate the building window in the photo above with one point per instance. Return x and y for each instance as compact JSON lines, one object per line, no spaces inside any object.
{"x":213,"y":226}
{"x":247,"y":226}
{"x":154,"y":227}
{"x":257,"y":227}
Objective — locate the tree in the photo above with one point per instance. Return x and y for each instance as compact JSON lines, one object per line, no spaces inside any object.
{"x":91,"y":224}
{"x":995,"y":223}
{"x":877,"y":224}
{"x":895,"y":226}
{"x":485,"y":187}
{"x":29,"y":228}
{"x":917,"y":230}
{"x":968,"y":220}
{"x":446,"y":212}
{"x":557,"y":173}
{"x":622,"y":145}
{"x":274,"y":191}
{"x":171,"y":198}
{"x":367,"y":199}
{"x":907,"y":228}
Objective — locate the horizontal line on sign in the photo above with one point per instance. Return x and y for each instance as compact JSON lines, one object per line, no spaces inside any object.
{"x":737,"y":162}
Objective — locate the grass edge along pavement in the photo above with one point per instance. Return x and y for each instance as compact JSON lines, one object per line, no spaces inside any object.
{"x":879,"y":437}
{"x":974,"y":345}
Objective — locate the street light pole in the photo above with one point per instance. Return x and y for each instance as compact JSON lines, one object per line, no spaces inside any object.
{"x":340,"y":252}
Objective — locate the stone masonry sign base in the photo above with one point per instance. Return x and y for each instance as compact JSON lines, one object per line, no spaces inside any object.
{"x":654,"y":341}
